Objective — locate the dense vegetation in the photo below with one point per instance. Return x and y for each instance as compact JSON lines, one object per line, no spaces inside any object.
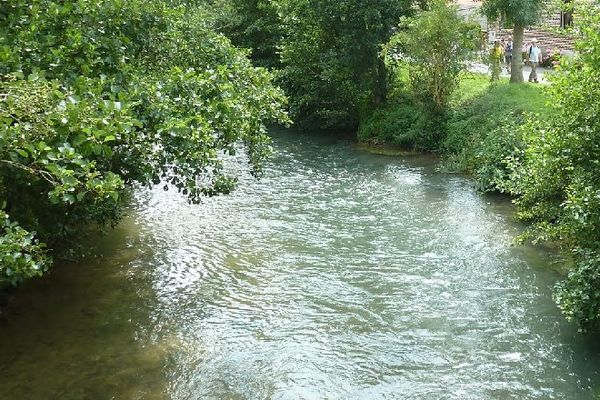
{"x":556,"y":180}
{"x":482,"y":131}
{"x":327,"y":52}
{"x":427,"y":56}
{"x":99,"y":95}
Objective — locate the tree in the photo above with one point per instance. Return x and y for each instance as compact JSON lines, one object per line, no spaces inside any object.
{"x":435,"y":45}
{"x":519,"y":14}
{"x":330,"y":54}
{"x":95,"y":96}
{"x":255,"y":25}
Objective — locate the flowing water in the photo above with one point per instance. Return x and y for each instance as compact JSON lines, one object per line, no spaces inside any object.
{"x":339,"y":275}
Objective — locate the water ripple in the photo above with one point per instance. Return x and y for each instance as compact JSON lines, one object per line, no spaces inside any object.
{"x":344,"y":275}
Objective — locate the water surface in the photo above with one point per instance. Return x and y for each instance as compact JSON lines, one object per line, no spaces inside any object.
{"x":339,"y":275}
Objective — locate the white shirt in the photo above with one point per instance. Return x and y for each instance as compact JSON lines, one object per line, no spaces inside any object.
{"x":534,"y":54}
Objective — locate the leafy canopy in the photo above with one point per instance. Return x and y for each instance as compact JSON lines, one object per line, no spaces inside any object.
{"x":513,"y":12}
{"x":99,"y":95}
{"x":331,"y":67}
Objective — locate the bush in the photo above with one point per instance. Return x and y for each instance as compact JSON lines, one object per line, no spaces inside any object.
{"x":398,"y":123}
{"x":483,"y":128}
{"x":578,"y":296}
{"x":492,"y":159}
{"x":557,"y":181}
{"x":21,"y":255}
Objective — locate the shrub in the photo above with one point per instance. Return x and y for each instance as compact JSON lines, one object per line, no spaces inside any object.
{"x":492,"y":159}
{"x":578,"y":295}
{"x":557,"y":181}
{"x":21,"y":255}
{"x":396,"y":124}
{"x":482,"y":130}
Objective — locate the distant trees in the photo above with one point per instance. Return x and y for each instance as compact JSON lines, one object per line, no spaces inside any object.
{"x":252,"y":24}
{"x":327,"y":52}
{"x":330,"y":54}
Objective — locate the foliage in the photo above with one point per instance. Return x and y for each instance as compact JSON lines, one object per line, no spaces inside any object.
{"x":59,"y":144}
{"x":255,"y":25}
{"x":557,"y":181}
{"x":436,"y":45}
{"x":397,"y":123}
{"x":513,"y":12}
{"x":99,"y":95}
{"x":578,"y":295}
{"x":483,"y":128}
{"x":21,"y":256}
{"x":331,"y":67}
{"x":491,"y":159}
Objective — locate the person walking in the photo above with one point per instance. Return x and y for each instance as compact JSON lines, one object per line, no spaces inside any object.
{"x":508,"y":53}
{"x":525,"y":52}
{"x":535,"y":58}
{"x":496,"y":56}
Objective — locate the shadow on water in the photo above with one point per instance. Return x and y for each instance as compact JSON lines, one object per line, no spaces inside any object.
{"x":82,"y":332}
{"x":340,"y":274}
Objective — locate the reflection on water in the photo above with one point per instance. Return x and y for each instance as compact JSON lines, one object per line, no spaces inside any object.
{"x":339,"y":275}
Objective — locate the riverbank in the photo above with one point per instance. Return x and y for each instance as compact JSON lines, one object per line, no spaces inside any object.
{"x":537,"y":144}
{"x":479,"y":133}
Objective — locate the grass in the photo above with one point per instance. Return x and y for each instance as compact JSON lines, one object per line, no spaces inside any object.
{"x":476,"y":90}
{"x":479,"y":107}
{"x":469,"y":87}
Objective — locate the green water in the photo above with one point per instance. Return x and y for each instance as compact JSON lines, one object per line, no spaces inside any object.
{"x":339,"y":275}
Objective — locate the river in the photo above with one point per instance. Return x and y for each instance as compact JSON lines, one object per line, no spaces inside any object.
{"x":339,"y":275}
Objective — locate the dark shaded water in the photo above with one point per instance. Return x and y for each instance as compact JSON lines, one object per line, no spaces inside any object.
{"x":339,"y":275}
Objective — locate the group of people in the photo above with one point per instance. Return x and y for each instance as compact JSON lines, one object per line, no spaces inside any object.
{"x":503,"y":51}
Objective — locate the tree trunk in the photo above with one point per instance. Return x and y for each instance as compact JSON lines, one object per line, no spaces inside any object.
{"x":380,"y":84}
{"x":516,"y":71}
